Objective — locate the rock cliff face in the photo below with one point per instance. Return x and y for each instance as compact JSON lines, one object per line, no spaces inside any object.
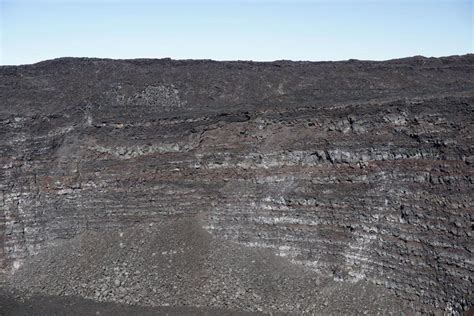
{"x":357,"y":170}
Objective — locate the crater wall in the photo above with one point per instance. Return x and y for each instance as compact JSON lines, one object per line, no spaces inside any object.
{"x":360,"y":170}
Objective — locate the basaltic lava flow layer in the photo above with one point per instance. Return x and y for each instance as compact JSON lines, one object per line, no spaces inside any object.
{"x":204,"y":187}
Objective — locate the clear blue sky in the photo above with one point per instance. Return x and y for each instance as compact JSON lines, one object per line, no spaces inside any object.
{"x":35,"y":30}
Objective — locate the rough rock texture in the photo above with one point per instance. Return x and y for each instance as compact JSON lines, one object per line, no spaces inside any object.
{"x":17,"y":305}
{"x":175,"y":262}
{"x":361,"y":171}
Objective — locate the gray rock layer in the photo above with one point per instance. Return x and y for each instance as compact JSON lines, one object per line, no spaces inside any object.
{"x":357,"y":170}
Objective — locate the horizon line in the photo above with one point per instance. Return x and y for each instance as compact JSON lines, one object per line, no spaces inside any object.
{"x":469,"y":54}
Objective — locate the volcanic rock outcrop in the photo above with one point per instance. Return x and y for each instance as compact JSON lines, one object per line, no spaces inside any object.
{"x":357,"y":171}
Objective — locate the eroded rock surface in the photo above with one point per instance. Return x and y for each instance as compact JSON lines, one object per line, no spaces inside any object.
{"x":360,"y":171}
{"x":175,"y":262}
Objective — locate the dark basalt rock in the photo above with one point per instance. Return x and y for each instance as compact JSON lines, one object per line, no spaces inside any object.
{"x":357,"y":171}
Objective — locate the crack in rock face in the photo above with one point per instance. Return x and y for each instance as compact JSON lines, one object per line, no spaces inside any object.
{"x":284,"y":187}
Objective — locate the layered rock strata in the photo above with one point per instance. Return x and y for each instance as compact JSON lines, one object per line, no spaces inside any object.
{"x":358,"y":170}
